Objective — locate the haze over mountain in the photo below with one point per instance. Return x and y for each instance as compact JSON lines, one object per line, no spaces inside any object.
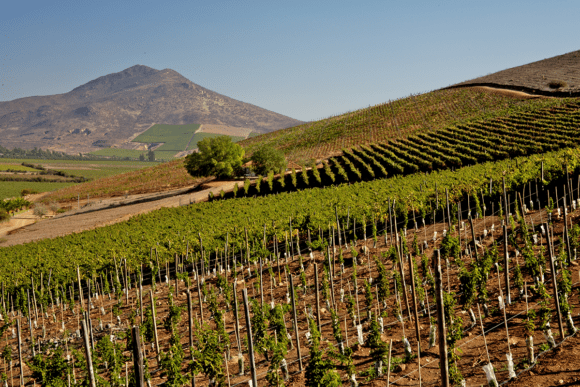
{"x":114,"y":108}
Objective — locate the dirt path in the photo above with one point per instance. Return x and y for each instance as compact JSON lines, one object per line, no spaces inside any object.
{"x":23,"y":229}
{"x":508,"y":92}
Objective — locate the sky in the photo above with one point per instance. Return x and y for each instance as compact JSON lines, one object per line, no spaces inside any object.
{"x":304,"y":59}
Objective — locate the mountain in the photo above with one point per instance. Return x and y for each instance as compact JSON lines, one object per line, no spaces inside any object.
{"x":115,"y":108}
{"x":556,"y":76}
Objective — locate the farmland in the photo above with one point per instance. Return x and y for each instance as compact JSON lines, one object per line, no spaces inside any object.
{"x":159,"y":177}
{"x":347,"y":236}
{"x":394,"y":120}
{"x":91,"y":170}
{"x":120,"y":153}
{"x":341,"y":292}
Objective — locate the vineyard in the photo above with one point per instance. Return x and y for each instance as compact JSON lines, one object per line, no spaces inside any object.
{"x":524,"y":133}
{"x":484,"y":284}
{"x":394,"y":120}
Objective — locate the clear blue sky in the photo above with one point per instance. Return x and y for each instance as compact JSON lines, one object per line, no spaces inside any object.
{"x":304,"y":59}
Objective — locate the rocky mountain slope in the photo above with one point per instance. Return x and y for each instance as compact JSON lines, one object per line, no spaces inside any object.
{"x":114,"y":108}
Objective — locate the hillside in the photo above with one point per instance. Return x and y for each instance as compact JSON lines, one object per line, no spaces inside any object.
{"x":536,"y":77}
{"x":113,"y":109}
{"x":392,"y":120}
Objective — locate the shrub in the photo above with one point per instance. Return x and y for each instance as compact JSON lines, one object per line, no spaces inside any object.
{"x":557,"y":84}
{"x":4,"y":216}
{"x":40,"y":210}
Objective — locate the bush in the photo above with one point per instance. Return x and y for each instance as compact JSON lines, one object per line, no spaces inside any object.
{"x":40,"y":210}
{"x":27,"y":191}
{"x":268,"y":159}
{"x":217,"y":156}
{"x":4,"y":216}
{"x":557,"y":84}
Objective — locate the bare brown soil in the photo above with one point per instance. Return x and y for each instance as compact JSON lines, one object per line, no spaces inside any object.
{"x":225,"y":130}
{"x":552,"y":367}
{"x":536,"y":76}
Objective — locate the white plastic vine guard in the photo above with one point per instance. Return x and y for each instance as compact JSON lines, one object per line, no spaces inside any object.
{"x":500,"y":300}
{"x":432,"y":336}
{"x":408,"y":350}
{"x":490,"y":375}
{"x":434,"y":236}
{"x":549,"y":338}
{"x":444,"y":233}
{"x":380,"y":319}
{"x":510,"y":364}
{"x":361,"y":340}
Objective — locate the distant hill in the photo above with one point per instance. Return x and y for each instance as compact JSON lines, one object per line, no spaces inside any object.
{"x":113,"y":109}
{"x":542,"y":77}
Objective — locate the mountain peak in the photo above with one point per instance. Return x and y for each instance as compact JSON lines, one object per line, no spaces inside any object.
{"x":110,"y":83}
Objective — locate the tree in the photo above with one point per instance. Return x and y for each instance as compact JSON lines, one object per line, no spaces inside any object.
{"x":217,"y":156}
{"x":151,"y":156}
{"x":266,"y":159}
{"x":142,"y":157}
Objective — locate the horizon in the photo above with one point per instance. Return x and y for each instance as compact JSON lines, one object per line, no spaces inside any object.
{"x":306,"y":61}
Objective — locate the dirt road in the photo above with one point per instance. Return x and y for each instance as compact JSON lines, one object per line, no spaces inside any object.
{"x":98,"y":214}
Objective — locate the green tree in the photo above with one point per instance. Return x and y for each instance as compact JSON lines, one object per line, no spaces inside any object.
{"x":217,"y":156}
{"x":150,"y":156}
{"x":266,"y":159}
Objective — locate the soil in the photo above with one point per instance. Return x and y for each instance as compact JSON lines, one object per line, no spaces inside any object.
{"x":534,"y":77}
{"x":559,"y":364}
{"x":87,"y":215}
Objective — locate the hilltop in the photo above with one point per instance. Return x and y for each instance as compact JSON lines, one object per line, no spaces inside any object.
{"x":113,"y":109}
{"x":555,"y":76}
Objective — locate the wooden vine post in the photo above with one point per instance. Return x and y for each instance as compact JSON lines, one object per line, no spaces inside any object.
{"x":473,"y":237}
{"x":250,"y":343}
{"x":199,"y":298}
{"x":20,"y":352}
{"x":566,"y":235}
{"x":412,"y":272}
{"x":317,"y":297}
{"x":506,"y":265}
{"x":554,"y":282}
{"x":92,"y":381}
{"x":295,"y":321}
{"x":190,"y":318}
{"x":154,"y":322}
{"x":80,"y":288}
{"x":443,"y":361}
{"x":448,"y":210}
{"x":137,"y":357}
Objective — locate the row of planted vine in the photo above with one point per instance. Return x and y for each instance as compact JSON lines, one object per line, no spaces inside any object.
{"x":522,"y":133}
{"x":170,"y":230}
{"x":218,"y":279}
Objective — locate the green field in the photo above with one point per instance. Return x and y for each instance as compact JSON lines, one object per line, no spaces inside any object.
{"x":116,"y":152}
{"x":161,"y":133}
{"x":16,"y":167}
{"x":89,"y":169}
{"x":10,"y":189}
{"x":201,"y":136}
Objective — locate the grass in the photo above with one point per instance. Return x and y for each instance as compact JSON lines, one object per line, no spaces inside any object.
{"x":174,"y":138}
{"x":16,"y":167}
{"x":161,"y":176}
{"x":394,"y":120}
{"x":116,"y":152}
{"x":10,"y":189}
